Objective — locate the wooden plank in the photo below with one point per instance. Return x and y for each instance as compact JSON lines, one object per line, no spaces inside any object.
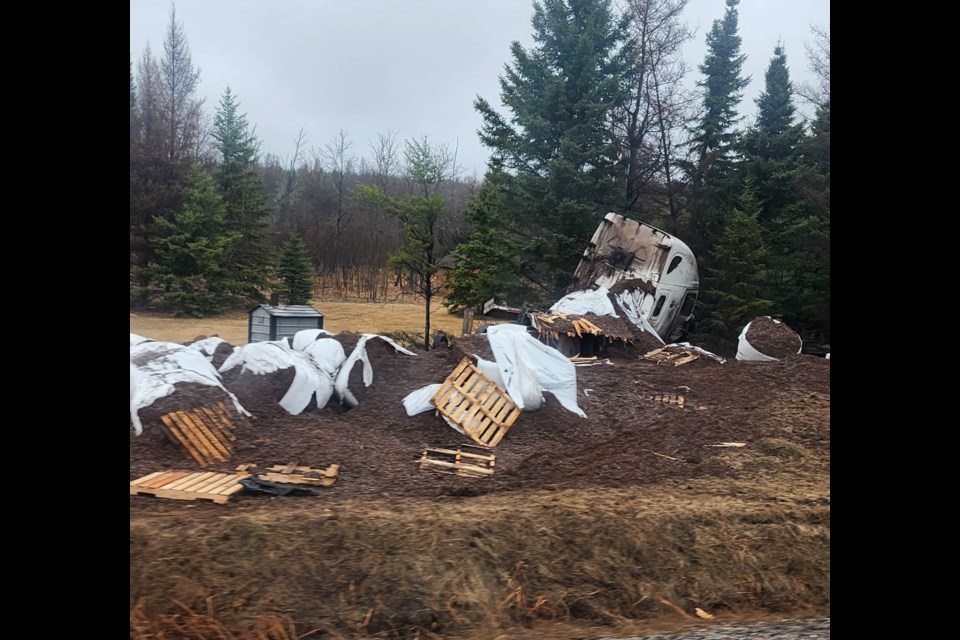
{"x":293,"y":478}
{"x":220,"y":450}
{"x":202,"y":451}
{"x":224,"y":425}
{"x":167,"y":478}
{"x":465,"y":454}
{"x":211,"y":485}
{"x":186,"y":483}
{"x":471,"y":468}
{"x":147,"y":478}
{"x":174,"y":431}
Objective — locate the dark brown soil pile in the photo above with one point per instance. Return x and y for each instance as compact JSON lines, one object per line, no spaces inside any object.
{"x":773,"y":338}
{"x":633,"y":433}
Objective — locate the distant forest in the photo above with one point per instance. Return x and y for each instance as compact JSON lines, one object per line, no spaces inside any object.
{"x":597,"y":120}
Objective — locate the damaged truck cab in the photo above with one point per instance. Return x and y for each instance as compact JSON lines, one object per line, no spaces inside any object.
{"x":653,"y":273}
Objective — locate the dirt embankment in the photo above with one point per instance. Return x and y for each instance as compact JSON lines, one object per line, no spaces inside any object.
{"x":650,"y":509}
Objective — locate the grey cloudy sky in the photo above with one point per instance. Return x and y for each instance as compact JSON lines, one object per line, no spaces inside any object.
{"x":407,"y":67}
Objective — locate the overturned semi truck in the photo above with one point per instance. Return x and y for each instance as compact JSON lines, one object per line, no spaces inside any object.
{"x":633,"y":279}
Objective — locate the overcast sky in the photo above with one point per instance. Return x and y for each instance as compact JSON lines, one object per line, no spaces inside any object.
{"x":408,"y":67}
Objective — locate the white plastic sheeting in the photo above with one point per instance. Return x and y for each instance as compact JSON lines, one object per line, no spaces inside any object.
{"x":359,"y":354}
{"x":208,"y":346}
{"x":418,"y":401}
{"x":303,"y":338}
{"x":528,"y":368}
{"x":746,"y":351}
{"x":630,"y":305}
{"x":265,"y":357}
{"x":155,"y":367}
{"x":595,"y":301}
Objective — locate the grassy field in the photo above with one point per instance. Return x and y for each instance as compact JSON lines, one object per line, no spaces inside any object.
{"x":358,"y":317}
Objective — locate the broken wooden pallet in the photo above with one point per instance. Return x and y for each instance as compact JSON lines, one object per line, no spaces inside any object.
{"x":473,"y":402}
{"x":189,"y":485}
{"x":676,"y":358}
{"x":468,"y":463}
{"x":665,"y":398}
{"x":204,"y":432}
{"x":293,"y":474}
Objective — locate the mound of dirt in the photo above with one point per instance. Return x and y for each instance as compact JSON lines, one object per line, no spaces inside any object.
{"x":703,"y":485}
{"x":773,"y":338}
{"x":632,"y":416}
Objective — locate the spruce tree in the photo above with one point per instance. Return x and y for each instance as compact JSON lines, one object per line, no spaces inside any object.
{"x":554,"y":158}
{"x":190,"y":252}
{"x":295,"y":272}
{"x":710,"y":170}
{"x":736,"y":277}
{"x":244,"y":198}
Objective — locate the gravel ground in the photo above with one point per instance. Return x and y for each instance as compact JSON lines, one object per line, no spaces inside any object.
{"x":805,"y":629}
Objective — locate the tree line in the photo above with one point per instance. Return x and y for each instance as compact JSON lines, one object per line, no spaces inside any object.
{"x":598,"y":119}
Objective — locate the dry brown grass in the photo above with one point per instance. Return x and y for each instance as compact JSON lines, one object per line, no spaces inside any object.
{"x":415,"y":568}
{"x":358,"y":317}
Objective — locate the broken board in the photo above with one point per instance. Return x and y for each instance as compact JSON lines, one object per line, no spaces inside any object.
{"x":205,"y":433}
{"x":189,"y":485}
{"x":465,"y":460}
{"x":676,"y":358}
{"x":476,"y":404}
{"x":292,"y":474}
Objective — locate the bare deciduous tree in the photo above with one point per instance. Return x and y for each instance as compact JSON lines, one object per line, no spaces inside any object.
{"x":818,"y":55}
{"x":647,"y":124}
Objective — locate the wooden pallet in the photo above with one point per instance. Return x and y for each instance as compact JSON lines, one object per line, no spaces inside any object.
{"x":189,"y":485}
{"x":472,"y":400}
{"x":676,"y":358}
{"x":205,"y":433}
{"x":292,"y":474}
{"x":469,"y":463}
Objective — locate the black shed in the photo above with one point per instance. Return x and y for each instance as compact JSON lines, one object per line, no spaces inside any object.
{"x":284,"y":321}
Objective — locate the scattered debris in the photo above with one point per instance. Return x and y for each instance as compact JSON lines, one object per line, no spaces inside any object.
{"x":189,"y":485}
{"x":727,"y":444}
{"x":665,"y":398}
{"x":459,"y":462}
{"x":259,"y":485}
{"x":674,"y":357}
{"x":703,"y":614}
{"x":292,"y":474}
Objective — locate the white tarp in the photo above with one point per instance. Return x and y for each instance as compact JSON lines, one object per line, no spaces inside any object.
{"x":303,"y":338}
{"x":746,"y":351}
{"x":359,"y":354}
{"x":593,"y":301}
{"x":418,"y":400}
{"x":155,"y":367}
{"x":528,"y":368}
{"x":260,"y":358}
{"x":208,"y":346}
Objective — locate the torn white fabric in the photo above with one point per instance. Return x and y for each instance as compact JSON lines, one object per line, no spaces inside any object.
{"x":418,"y":401}
{"x":745,"y":350}
{"x":630,"y":305}
{"x":207,"y":346}
{"x":303,"y":338}
{"x":161,"y":365}
{"x":359,"y":354}
{"x":593,"y":301}
{"x":526,"y":364}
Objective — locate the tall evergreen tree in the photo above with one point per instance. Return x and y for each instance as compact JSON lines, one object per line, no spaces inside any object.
{"x":295,"y":272}
{"x":247,"y":212}
{"x":555,"y":158}
{"x":737,"y":276}
{"x":181,"y":108}
{"x":190,"y":249}
{"x":712,"y":182}
{"x":777,"y":159}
